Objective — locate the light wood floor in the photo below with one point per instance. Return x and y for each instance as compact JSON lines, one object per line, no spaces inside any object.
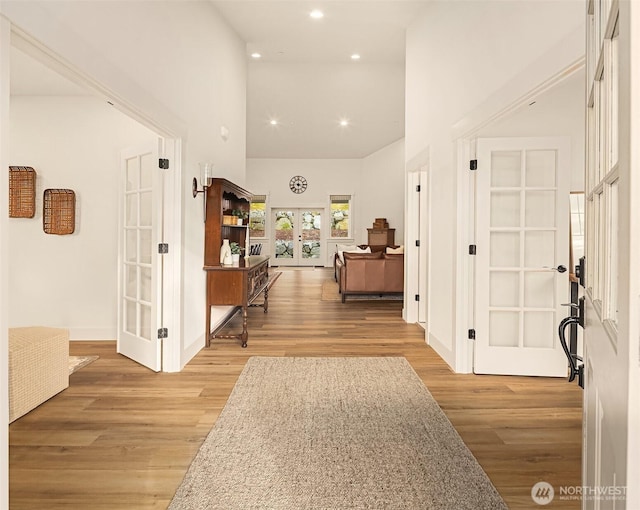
{"x":122,"y":437}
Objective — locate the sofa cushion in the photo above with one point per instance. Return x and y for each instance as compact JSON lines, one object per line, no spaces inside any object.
{"x":342,"y":248}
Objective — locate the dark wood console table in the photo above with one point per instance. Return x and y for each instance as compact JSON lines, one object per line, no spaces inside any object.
{"x":237,"y":286}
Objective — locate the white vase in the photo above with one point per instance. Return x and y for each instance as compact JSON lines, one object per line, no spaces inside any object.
{"x":235,"y":258}
{"x":225,"y":253}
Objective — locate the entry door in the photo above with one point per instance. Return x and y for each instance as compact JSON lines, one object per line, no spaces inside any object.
{"x":139,"y":289}
{"x":522,"y":222}
{"x":297,"y":235}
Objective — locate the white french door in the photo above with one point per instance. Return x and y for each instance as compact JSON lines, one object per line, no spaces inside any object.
{"x":297,"y":237}
{"x":522,"y":232}
{"x":140,"y":269}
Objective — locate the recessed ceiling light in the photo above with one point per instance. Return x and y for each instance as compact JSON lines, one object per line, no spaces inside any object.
{"x":316,"y":14}
{"x":344,"y":122}
{"x":273,"y":122}
{"x":256,"y":55}
{"x":355,"y":56}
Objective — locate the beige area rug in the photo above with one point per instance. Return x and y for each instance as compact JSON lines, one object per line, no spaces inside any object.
{"x":78,"y":362}
{"x":330,"y":293}
{"x":333,"y":433}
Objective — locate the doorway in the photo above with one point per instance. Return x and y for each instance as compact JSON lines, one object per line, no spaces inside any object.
{"x":297,"y":236}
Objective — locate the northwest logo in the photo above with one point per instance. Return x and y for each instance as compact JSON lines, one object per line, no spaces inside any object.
{"x":542,"y":493}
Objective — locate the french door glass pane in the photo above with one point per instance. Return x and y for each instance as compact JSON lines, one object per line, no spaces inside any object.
{"x":284,"y":234}
{"x":311,"y":224}
{"x":504,"y":329}
{"x":505,"y":169}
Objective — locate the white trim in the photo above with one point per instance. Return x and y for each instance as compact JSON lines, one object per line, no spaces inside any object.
{"x":463,"y":277}
{"x":174,"y":358}
{"x":5,"y":53}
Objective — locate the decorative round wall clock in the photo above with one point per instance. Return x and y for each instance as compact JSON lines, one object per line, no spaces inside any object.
{"x":298,"y":184}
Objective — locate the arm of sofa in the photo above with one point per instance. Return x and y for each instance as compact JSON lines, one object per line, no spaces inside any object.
{"x":393,"y":273}
{"x":362,"y":273}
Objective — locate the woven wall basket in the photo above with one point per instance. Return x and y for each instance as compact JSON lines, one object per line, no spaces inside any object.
{"x":59,"y":211}
{"x":22,"y":192}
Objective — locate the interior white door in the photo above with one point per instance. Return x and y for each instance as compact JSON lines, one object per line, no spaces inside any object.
{"x":423,"y":249}
{"x":297,"y":235}
{"x":139,"y":278}
{"x":522,"y":223}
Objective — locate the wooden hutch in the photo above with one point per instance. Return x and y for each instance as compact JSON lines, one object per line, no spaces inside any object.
{"x":381,"y":234}
{"x":231,"y":285}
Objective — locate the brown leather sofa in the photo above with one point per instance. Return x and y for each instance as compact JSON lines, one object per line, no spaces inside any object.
{"x":370,"y":273}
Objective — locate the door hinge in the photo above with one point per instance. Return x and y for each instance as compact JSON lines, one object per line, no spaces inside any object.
{"x":417,"y":242}
{"x":417,"y":297}
{"x":163,"y":248}
{"x":163,"y":163}
{"x":472,"y":334}
{"x":473,"y":164}
{"x":472,"y":249}
{"x":163,"y":333}
{"x":418,"y":188}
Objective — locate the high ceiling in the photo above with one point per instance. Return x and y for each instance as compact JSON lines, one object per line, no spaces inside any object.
{"x":307,"y":82}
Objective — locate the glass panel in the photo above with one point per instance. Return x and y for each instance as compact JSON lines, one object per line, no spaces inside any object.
{"x":539,"y":289}
{"x":504,"y":289}
{"x":311,"y":222}
{"x":539,"y":330}
{"x":505,"y":249}
{"x":131,"y":281}
{"x":131,"y":210}
{"x":539,"y":249}
{"x":146,"y":208}
{"x":257,"y":219}
{"x":284,"y":234}
{"x":340,"y":212}
{"x":540,"y":170}
{"x":540,"y":209}
{"x":145,"y":246}
{"x":505,"y":169}
{"x":505,"y":209}
{"x":131,"y":317}
{"x":145,"y":322}
{"x":146,"y":171}
{"x":504,"y":329}
{"x":145,"y":284}
{"x":131,"y":245}
{"x":613,"y":253}
{"x":132,"y":174}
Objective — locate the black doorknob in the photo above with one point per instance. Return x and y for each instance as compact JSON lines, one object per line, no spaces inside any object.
{"x":561,"y":269}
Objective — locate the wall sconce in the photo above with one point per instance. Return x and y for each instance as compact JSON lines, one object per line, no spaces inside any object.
{"x":206,"y":174}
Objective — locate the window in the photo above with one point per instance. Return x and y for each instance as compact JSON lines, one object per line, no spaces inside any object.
{"x":258,"y":216}
{"x":340,"y":212}
{"x":602,"y":162}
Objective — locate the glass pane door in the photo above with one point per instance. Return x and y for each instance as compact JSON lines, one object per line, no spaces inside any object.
{"x":297,"y":237}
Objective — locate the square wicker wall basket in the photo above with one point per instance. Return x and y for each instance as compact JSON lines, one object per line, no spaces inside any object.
{"x":59,"y":211}
{"x":22,"y":192}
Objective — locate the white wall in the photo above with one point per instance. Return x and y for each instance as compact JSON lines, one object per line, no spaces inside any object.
{"x":375,"y":182}
{"x":382,"y":188}
{"x":181,"y":68}
{"x":458,"y":54}
{"x":69,"y":281}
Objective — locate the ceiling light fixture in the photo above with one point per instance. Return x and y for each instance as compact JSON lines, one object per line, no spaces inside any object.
{"x":344,"y":122}
{"x":355,"y":56}
{"x":316,"y":14}
{"x":273,"y":122}
{"x":256,"y":55}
